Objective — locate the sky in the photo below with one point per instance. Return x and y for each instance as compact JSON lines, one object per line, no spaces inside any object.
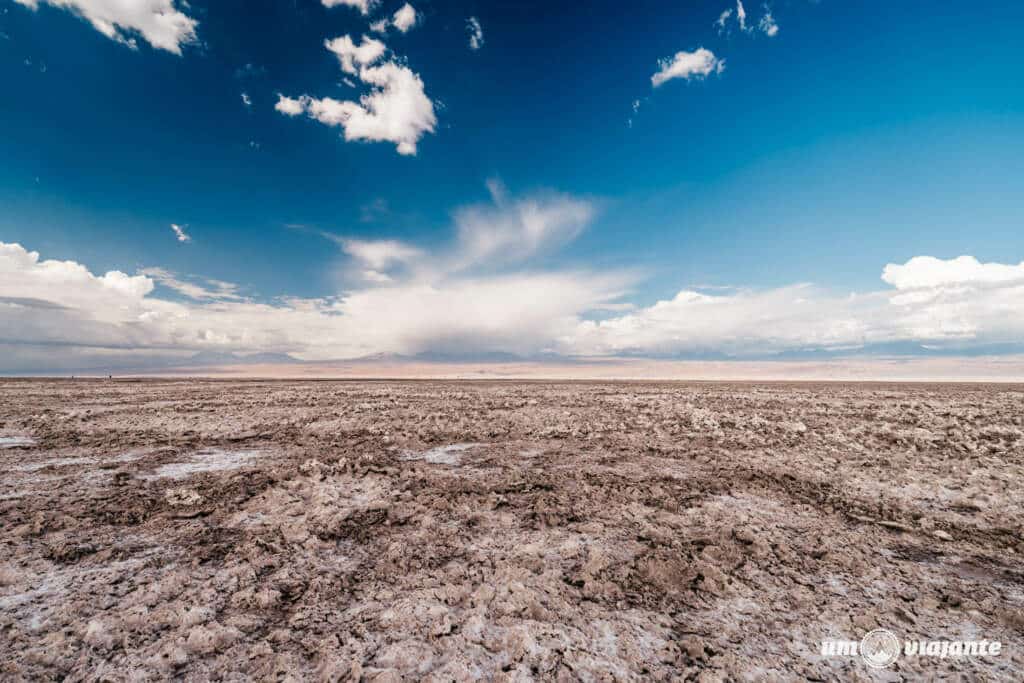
{"x":339,"y":179}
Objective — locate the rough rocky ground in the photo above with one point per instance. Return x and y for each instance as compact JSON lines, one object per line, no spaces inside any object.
{"x":326,"y":531}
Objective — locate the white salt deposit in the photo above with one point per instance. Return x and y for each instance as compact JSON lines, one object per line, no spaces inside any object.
{"x":442,"y":455}
{"x":56,"y":462}
{"x":16,"y":441}
{"x":206,"y":460}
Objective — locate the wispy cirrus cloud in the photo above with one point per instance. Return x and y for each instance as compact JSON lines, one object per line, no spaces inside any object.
{"x":766,"y":25}
{"x":476,"y":33}
{"x":741,"y":15}
{"x":179,"y":233}
{"x":198,"y":289}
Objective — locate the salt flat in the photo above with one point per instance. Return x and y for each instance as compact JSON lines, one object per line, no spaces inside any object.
{"x":505,"y":530}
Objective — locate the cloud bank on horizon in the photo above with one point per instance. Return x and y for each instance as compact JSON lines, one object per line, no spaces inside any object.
{"x":479,"y":293}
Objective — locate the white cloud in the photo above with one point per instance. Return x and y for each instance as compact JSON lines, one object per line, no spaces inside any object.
{"x":686,"y":65}
{"x":476,"y":33}
{"x":925,"y":272}
{"x":414,"y":300}
{"x":514,"y":313}
{"x":768,"y":25}
{"x":376,"y":257}
{"x":396,"y":109}
{"x":288,"y":106}
{"x":65,"y":283}
{"x":351,"y":56}
{"x":488,"y":237}
{"x":511,"y":231}
{"x":722,"y":18}
{"x":405,"y":18}
{"x":209,"y":290}
{"x":777,"y":320}
{"x":364,"y":6}
{"x":180,"y":233}
{"x":951,"y":304}
{"x":159,"y":22}
{"x":741,"y":15}
{"x":410,"y":300}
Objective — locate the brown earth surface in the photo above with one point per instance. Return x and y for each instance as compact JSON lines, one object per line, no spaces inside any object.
{"x":506,"y":531}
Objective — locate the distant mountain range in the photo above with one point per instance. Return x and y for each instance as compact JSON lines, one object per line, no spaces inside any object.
{"x":228,"y":358}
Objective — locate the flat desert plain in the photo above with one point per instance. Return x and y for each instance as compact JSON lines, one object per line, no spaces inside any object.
{"x":387,"y":530}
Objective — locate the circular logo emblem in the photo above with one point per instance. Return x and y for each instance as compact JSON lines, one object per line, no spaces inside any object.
{"x":879,"y":648}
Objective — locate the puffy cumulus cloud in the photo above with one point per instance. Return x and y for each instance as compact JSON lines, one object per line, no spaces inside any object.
{"x":396,"y":109}
{"x":364,"y":6}
{"x":687,"y":65}
{"x":476,"y":33}
{"x":65,"y":283}
{"x":927,"y":272}
{"x":405,"y":17}
{"x":159,"y":22}
{"x":352,"y":56}
{"x":288,"y":106}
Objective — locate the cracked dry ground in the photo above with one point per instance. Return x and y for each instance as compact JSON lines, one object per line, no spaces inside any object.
{"x":613,"y":531}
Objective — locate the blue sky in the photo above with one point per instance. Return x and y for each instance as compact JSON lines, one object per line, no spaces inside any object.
{"x":856,"y":136}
